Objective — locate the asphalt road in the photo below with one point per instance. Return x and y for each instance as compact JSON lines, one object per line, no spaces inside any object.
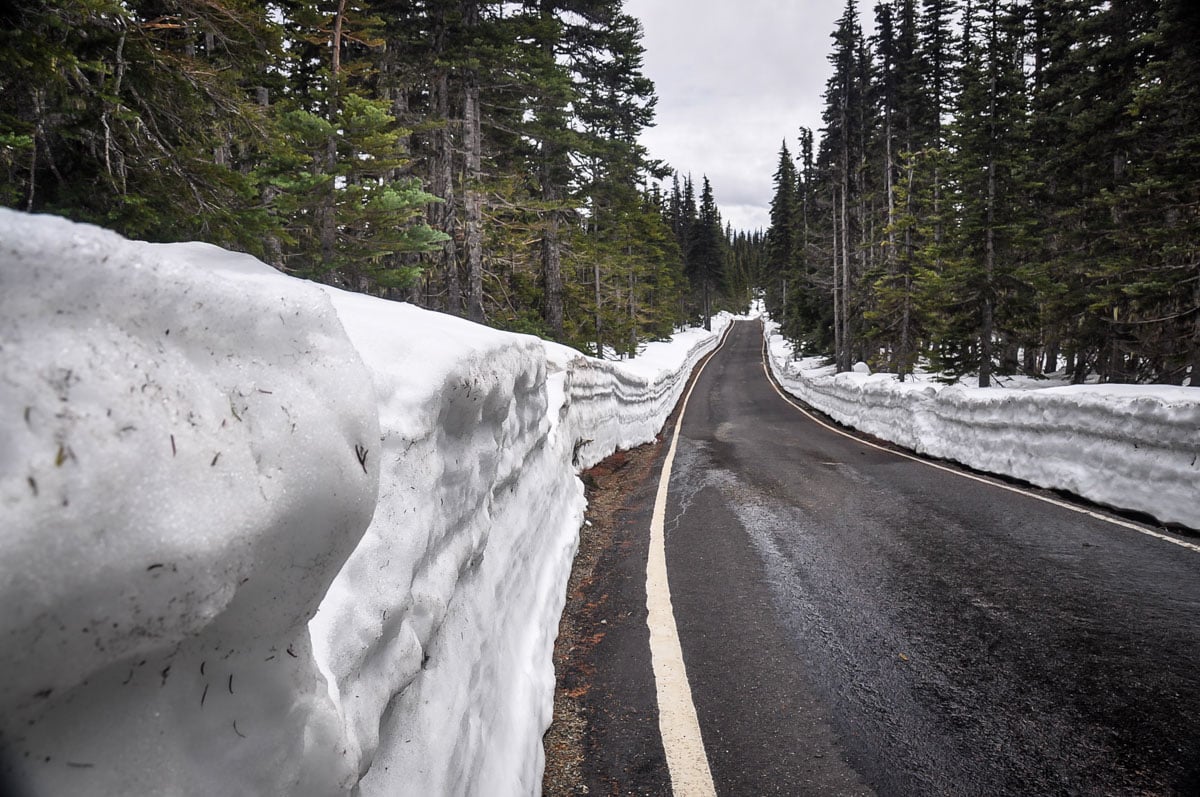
{"x":854,"y":622}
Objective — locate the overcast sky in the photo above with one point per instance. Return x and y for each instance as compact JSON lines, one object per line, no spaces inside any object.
{"x":734,"y":78}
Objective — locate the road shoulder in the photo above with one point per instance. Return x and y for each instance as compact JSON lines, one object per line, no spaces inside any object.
{"x":604,"y":737}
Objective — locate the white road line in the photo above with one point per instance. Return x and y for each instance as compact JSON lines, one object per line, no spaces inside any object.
{"x":1000,"y":485}
{"x":677,"y":722}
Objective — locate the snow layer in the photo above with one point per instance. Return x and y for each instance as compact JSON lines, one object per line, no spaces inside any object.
{"x":1133,"y":447}
{"x":199,"y":456}
{"x":178,"y":487}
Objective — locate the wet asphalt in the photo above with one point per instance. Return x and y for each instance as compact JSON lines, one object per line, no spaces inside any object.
{"x":854,"y":622}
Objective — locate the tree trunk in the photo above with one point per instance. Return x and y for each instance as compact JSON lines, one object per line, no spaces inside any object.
{"x":552,"y":274}
{"x":905,"y":365}
{"x":987,"y":322}
{"x":907,"y":355}
{"x":1030,"y":360}
{"x":707,"y":308}
{"x":890,"y":188}
{"x":552,"y":157}
{"x":837,"y":303}
{"x":844,"y":354}
{"x":271,"y":244}
{"x":1050,"y":357}
{"x":1195,"y":342}
{"x":327,"y":213}
{"x":599,"y":327}
{"x":473,"y":200}
{"x":633,"y":310}
{"x":442,"y":214}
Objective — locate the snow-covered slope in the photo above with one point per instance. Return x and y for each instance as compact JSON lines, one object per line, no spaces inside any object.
{"x":1134,"y":447}
{"x":199,"y":456}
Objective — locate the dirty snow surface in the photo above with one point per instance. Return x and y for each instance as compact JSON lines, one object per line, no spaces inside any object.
{"x":1133,"y":447}
{"x":259,"y":536}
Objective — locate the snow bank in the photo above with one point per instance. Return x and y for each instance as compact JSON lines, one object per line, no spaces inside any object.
{"x":263,"y":537}
{"x":611,"y":405}
{"x":1134,"y":447}
{"x":437,"y":633}
{"x":179,"y":486}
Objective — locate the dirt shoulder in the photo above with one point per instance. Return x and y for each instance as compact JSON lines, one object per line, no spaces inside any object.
{"x":604,"y":737}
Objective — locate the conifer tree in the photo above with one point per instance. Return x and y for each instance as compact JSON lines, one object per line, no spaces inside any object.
{"x":781,"y":244}
{"x":992,"y":173}
{"x":808,"y":318}
{"x":1159,"y":205}
{"x":136,"y":116}
{"x":842,"y":157}
{"x":346,"y":207}
{"x":706,"y":260}
{"x":298,"y":131}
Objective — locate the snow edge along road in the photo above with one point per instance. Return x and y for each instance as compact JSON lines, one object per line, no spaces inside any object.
{"x":678,"y":724}
{"x":791,"y":401}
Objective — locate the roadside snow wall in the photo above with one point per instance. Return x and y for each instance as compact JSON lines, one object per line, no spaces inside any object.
{"x":258,"y":536}
{"x":1132,"y":447}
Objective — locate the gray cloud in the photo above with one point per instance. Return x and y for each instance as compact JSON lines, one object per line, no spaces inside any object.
{"x":734,"y":79}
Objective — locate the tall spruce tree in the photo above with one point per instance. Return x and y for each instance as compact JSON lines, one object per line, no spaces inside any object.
{"x":781,"y":244}
{"x":842,"y":159}
{"x":991,"y":279}
{"x":706,"y":256}
{"x":1158,"y":206}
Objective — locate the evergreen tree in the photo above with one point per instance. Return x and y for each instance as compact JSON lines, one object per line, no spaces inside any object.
{"x":706,"y":257}
{"x":1158,"y":207}
{"x":137,"y":115}
{"x":781,"y":246}
{"x":346,"y":207}
{"x":808,"y":319}
{"x":842,"y":157}
{"x":991,"y":281}
{"x":1001,"y":208}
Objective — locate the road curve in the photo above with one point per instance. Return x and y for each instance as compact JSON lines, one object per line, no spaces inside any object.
{"x":855,"y":622}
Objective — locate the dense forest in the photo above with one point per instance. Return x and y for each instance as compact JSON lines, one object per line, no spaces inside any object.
{"x":997,"y":187}
{"x":471,"y":156}
{"x":1000,"y":187}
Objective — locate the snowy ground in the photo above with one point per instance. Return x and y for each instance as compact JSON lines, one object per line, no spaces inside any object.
{"x":1134,"y":447}
{"x":264,"y":537}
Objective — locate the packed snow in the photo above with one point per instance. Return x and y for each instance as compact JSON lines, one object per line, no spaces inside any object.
{"x":1132,"y":447}
{"x":265,"y":537}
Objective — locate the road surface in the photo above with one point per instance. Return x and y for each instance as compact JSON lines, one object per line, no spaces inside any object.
{"x":855,"y":622}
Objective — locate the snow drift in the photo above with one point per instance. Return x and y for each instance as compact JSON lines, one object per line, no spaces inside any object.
{"x":264,"y":537}
{"x":1132,"y":447}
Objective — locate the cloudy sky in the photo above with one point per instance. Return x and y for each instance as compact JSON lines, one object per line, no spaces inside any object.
{"x":734,"y":78}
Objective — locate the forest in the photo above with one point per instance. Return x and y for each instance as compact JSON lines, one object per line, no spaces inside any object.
{"x":999,"y":188}
{"x":475,"y":157}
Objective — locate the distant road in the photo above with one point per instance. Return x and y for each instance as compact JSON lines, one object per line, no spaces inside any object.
{"x":855,"y":622}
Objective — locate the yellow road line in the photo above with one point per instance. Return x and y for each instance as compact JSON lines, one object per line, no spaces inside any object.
{"x":678,"y":725}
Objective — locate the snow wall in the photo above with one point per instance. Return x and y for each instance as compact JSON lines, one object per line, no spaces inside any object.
{"x":264,"y":537}
{"x":1132,"y":447}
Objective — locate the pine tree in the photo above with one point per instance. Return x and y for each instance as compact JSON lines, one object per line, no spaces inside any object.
{"x":842,"y":156}
{"x":781,"y":247}
{"x":902,"y":110}
{"x":706,"y":260}
{"x":136,"y":116}
{"x":1159,"y":206}
{"x":808,"y":321}
{"x":347,"y":207}
{"x":992,"y":174}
